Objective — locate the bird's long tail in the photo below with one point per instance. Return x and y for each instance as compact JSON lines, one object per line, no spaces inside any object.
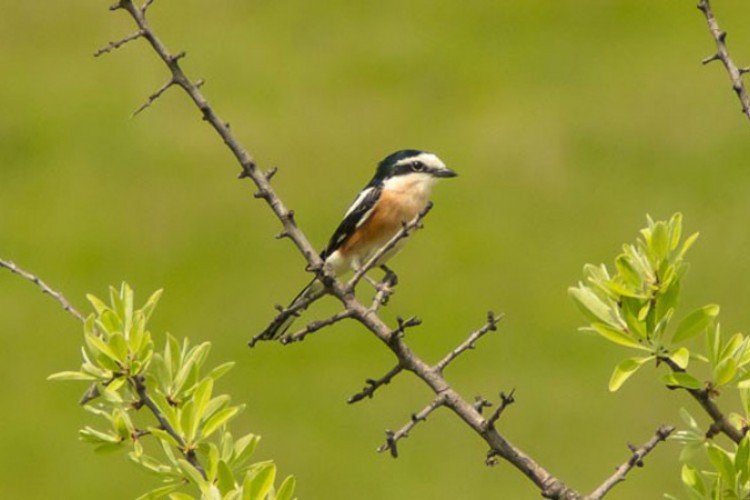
{"x":283,"y":322}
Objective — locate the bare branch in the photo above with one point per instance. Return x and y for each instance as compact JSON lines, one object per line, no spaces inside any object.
{"x":722,"y":54}
{"x":119,"y":43}
{"x":314,"y":326}
{"x":406,"y":229}
{"x":392,"y":438}
{"x":490,"y":326}
{"x":12,"y":267}
{"x":505,"y":401}
{"x":372,"y":385}
{"x":636,"y":460}
{"x":154,"y":97}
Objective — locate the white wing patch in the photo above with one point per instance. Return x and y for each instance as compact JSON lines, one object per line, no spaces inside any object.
{"x":358,"y":201}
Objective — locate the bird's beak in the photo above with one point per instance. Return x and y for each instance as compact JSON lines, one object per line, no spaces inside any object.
{"x":444,"y":172}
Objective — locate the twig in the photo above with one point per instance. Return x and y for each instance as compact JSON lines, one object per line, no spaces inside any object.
{"x":154,"y":97}
{"x":722,"y":54}
{"x":406,"y":230}
{"x":384,"y":290}
{"x":12,"y":267}
{"x":145,"y":400}
{"x":636,"y":460}
{"x":392,"y":438}
{"x":490,"y":326}
{"x":703,"y":397}
{"x":373,"y":385}
{"x":119,"y":43}
{"x":314,"y":326}
{"x":505,"y":401}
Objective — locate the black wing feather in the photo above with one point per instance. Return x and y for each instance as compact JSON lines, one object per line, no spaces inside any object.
{"x":352,"y":219}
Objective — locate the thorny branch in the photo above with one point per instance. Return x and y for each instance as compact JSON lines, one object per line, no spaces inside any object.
{"x":722,"y":54}
{"x":445,"y":395}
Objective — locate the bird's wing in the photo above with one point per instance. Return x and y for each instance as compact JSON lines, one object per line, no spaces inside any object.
{"x":357,"y":214}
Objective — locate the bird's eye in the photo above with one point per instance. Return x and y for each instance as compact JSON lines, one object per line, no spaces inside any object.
{"x":417,"y":166}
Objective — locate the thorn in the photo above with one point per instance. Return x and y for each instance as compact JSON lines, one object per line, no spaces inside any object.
{"x":261,"y":193}
{"x":282,"y":234}
{"x":271,"y":173}
{"x":244,"y":173}
{"x":199,"y":83}
{"x":711,"y":58}
{"x":744,"y":70}
{"x":177,"y":56}
{"x":278,"y":307}
{"x":115,"y":6}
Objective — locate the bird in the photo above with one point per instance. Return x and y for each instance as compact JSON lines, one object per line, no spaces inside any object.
{"x":397,"y":193}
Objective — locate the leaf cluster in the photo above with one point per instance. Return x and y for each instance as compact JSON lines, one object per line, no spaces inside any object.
{"x":634,"y":306}
{"x":189,"y":447}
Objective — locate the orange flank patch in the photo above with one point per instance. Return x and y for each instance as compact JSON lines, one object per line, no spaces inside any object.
{"x":392,"y":210}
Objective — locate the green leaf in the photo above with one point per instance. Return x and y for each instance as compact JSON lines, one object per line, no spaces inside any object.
{"x":616,"y":336}
{"x":244,"y":449}
{"x":218,"y":419}
{"x":202,"y":396}
{"x":725,"y":371}
{"x":591,"y":305}
{"x":188,"y":420}
{"x":692,"y":479}
{"x":675,"y":230}
{"x":190,"y":472}
{"x":99,"y":305}
{"x":287,"y":489}
{"x":148,"y":308}
{"x":257,"y":486}
{"x":681,"y":357}
{"x":695,"y":322}
{"x":688,"y":243}
{"x":160,"y":492}
{"x":660,"y":240}
{"x":681,"y":379}
{"x":221,"y":370}
{"x":742,"y":459}
{"x":164,"y":436}
{"x":624,"y":370}
{"x":225,"y":479}
{"x":71,"y":376}
{"x":723,"y":463}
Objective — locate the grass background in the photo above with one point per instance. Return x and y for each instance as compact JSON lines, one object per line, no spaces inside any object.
{"x":567,"y":123}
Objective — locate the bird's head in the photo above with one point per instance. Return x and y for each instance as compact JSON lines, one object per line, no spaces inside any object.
{"x":410,"y":167}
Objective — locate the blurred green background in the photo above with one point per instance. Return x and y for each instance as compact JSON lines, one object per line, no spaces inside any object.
{"x":567,"y":122}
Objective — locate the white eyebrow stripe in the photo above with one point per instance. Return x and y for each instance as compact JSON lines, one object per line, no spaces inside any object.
{"x":429,"y":159}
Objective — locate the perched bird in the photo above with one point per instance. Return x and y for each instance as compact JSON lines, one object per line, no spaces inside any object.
{"x":397,"y":193}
